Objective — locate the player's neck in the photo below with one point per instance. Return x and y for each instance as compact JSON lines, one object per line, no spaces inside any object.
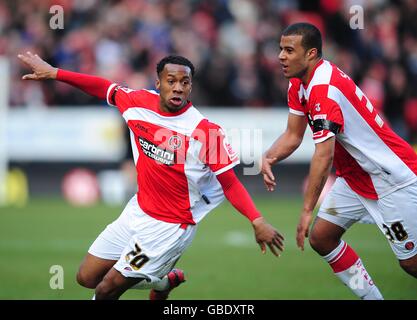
{"x":165,"y":110}
{"x":310,"y":71}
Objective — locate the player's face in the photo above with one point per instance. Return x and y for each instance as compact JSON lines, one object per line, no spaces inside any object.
{"x":174,"y":85}
{"x":293,"y":57}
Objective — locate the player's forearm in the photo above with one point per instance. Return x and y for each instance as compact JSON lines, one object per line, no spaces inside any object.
{"x":319,"y":172}
{"x":92,"y":85}
{"x":284,"y":146}
{"x":237,"y":195}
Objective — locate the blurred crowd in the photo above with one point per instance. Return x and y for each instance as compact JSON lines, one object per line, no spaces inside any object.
{"x":233,"y":44}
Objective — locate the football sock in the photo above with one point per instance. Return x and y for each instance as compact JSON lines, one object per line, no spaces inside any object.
{"x":348,"y":267}
{"x":159,"y":285}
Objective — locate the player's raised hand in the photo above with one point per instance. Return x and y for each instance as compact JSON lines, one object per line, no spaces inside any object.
{"x":266,"y":169}
{"x":303,"y":228}
{"x":267,"y":235}
{"x":41,"y":69}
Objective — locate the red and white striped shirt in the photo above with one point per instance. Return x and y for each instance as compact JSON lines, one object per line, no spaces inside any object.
{"x":373,"y":159}
{"x":177,"y":156}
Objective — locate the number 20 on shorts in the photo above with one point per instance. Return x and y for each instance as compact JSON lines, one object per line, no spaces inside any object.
{"x":136,"y":259}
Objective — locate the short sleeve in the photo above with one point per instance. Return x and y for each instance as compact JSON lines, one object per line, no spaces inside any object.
{"x":294,"y":104}
{"x":326,"y":118}
{"x":217,"y":152}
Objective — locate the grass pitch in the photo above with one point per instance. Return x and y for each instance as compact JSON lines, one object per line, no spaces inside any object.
{"x":223,"y":262}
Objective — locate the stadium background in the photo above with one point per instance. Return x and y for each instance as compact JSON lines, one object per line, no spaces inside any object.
{"x":234,"y":46}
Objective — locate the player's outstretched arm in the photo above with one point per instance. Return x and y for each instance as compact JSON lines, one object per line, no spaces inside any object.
{"x":41,"y":70}
{"x":283,"y":147}
{"x":320,"y":166}
{"x":235,"y":192}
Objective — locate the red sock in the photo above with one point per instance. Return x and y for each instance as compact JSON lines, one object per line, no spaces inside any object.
{"x":348,"y":267}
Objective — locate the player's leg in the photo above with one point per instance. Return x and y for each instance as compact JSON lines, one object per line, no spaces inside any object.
{"x":410,"y":266}
{"x":106,"y":249}
{"x":172,"y":280}
{"x":340,"y":209}
{"x":148,"y":258}
{"x":396,"y":216}
{"x":154,"y":257}
{"x":92,"y":270}
{"x":113,"y":285}
{"x":325,"y":236}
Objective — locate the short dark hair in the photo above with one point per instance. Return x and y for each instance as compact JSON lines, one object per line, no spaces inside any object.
{"x":174,"y":60}
{"x":311,"y":35}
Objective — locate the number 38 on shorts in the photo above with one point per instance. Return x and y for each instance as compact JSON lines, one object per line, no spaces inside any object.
{"x":396,"y":230}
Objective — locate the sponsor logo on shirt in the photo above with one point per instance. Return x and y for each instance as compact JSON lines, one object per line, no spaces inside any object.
{"x":140,"y":127}
{"x":157,"y":153}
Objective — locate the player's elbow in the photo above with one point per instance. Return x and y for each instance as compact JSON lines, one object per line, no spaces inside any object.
{"x":324,"y":157}
{"x":324,"y":152}
{"x":328,"y":158}
{"x":294,"y":141}
{"x":296,"y":144}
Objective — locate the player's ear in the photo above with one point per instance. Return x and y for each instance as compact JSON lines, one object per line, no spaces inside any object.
{"x":157,"y":84}
{"x":312,"y":53}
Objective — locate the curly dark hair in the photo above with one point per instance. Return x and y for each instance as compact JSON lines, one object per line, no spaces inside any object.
{"x":174,"y":60}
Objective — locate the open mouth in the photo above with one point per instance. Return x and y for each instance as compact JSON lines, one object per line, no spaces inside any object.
{"x":176,"y":101}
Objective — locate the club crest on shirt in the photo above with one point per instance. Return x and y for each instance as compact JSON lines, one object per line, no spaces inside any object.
{"x":175,"y":142}
{"x":409,"y":245}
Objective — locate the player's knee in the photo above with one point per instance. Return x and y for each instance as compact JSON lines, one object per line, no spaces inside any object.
{"x":316,"y":241}
{"x":410,"y":266}
{"x":322,"y":244}
{"x":86,"y":281}
{"x":107,"y":290}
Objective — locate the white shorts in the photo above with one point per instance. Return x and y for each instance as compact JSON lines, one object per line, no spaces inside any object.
{"x":395,"y":214}
{"x":143,"y":246}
